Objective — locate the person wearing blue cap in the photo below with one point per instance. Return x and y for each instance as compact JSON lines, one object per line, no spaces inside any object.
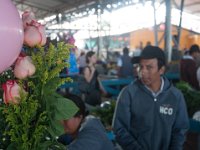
{"x":151,"y":113}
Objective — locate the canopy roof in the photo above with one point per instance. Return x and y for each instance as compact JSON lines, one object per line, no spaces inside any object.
{"x":45,"y":8}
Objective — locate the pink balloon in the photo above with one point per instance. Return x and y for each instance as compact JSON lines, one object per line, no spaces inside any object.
{"x":11,"y":34}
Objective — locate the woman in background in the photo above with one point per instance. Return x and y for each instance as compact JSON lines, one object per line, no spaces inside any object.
{"x":93,"y":95}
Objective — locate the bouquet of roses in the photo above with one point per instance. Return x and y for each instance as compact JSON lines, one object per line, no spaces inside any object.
{"x":30,"y":109}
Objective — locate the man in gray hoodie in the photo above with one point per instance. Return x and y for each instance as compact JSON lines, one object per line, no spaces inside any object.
{"x":151,"y":113}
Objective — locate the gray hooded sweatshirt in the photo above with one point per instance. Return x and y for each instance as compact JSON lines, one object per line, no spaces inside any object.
{"x":146,"y":122}
{"x":91,"y":136}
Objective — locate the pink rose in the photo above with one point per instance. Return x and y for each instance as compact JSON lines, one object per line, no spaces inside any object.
{"x":11,"y":92}
{"x":34,"y":34}
{"x":24,"y":67}
{"x":27,"y":17}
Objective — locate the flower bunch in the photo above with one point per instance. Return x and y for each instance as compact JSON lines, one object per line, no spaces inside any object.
{"x":32,"y":109}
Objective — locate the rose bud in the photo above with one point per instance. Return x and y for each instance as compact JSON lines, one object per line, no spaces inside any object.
{"x":27,"y":17}
{"x":34,"y":34}
{"x":24,"y":67}
{"x":11,"y":92}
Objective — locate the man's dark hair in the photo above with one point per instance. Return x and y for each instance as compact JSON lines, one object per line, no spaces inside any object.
{"x":194,"y":48}
{"x":78,"y":102}
{"x":89,"y":54}
{"x":160,"y":63}
{"x":150,"y":52}
{"x":125,"y":50}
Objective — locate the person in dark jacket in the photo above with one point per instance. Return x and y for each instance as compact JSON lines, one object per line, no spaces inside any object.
{"x":125,"y":66}
{"x":188,"y":67}
{"x":85,"y":132}
{"x":151,"y":113}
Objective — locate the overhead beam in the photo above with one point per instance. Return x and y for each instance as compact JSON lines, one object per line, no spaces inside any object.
{"x":32,"y":5}
{"x":195,"y":12}
{"x":191,"y":4}
{"x":68,"y":5}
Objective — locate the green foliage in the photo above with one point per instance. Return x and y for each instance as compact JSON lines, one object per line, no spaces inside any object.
{"x":25,"y":129}
{"x":58,"y":110}
{"x":105,"y":113}
{"x":4,"y":140}
{"x":6,"y":75}
{"x":49,"y":64}
{"x":37,"y":116}
{"x":192,"y":97}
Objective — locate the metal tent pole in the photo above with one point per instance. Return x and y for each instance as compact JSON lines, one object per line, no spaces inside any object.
{"x":180,"y":24}
{"x":168,"y":36}
{"x":155,"y":25}
{"x":98,"y":32}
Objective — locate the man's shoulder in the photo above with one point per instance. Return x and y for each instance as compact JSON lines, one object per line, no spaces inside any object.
{"x":187,"y":61}
{"x":132,"y":86}
{"x":176,"y":92}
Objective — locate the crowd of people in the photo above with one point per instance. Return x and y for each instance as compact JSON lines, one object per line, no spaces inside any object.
{"x":150,"y":112}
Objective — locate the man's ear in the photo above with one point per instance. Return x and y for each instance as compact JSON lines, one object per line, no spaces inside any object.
{"x":162,"y":70}
{"x":80,"y":116}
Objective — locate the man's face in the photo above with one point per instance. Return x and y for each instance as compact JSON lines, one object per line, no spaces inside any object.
{"x":196,"y":55}
{"x":71,"y":125}
{"x":149,"y":72}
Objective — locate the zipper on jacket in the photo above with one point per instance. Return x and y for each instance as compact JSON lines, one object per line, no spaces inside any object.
{"x":154,"y":120}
